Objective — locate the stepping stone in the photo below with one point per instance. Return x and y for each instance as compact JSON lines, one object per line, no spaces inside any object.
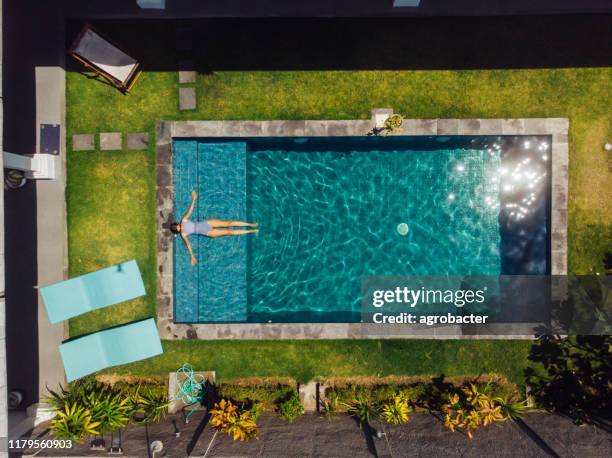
{"x":138,"y":141}
{"x":110,"y":141}
{"x":83,"y":142}
{"x":184,"y":39}
{"x":187,"y":72}
{"x":187,"y":98}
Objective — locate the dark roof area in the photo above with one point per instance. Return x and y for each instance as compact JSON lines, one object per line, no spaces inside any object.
{"x":339,"y":8}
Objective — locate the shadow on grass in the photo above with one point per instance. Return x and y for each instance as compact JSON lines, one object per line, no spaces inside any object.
{"x":575,"y":378}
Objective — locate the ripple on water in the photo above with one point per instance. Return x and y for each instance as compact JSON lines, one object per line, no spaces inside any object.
{"x":328,"y":218}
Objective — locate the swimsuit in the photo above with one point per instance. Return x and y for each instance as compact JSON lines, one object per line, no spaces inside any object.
{"x":197,"y":227}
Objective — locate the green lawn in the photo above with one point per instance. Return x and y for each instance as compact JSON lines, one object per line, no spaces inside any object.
{"x":306,"y":359}
{"x":111,"y":202}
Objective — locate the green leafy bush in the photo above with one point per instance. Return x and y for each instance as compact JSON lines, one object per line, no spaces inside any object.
{"x":149,"y":404}
{"x":363,"y":409}
{"x":377,"y":394}
{"x":292,"y":408}
{"x":471,"y":407}
{"x":87,"y":402}
{"x":395,"y":411}
{"x":110,"y":411}
{"x":269,"y":394}
{"x":330,"y":405}
{"x":73,"y":422}
{"x":228,"y":418}
{"x":256,"y":410}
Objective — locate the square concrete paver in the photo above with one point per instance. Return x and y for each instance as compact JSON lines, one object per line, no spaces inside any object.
{"x":138,"y":141}
{"x":83,"y":142}
{"x":187,"y":98}
{"x":110,"y":141}
{"x":187,"y":73}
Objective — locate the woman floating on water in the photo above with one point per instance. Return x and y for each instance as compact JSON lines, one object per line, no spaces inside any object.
{"x":210,"y":227}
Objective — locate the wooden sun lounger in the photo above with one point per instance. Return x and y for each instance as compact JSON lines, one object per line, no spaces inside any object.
{"x":105,"y":58}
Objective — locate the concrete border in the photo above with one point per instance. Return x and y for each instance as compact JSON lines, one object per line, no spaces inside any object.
{"x":556,"y":128}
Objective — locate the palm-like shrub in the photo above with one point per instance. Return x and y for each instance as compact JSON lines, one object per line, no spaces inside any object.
{"x":88,"y":402}
{"x":513,"y":409}
{"x":395,"y":411}
{"x":363,"y":409}
{"x":239,"y":424}
{"x":74,"y":422}
{"x":110,"y":411}
{"x":292,"y":408}
{"x":330,"y":404}
{"x":147,"y":405}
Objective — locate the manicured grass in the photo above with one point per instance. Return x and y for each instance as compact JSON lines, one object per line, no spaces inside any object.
{"x":583,"y":95}
{"x":304,"y":360}
{"x":111,"y":203}
{"x":111,"y":213}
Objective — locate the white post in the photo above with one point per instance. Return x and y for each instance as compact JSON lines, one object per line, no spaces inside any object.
{"x":35,"y":166}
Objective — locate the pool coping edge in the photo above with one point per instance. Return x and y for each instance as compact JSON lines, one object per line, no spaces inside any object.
{"x":556,"y":128}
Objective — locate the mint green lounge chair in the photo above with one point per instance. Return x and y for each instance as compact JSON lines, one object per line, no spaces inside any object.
{"x":110,"y":347}
{"x":91,"y":291}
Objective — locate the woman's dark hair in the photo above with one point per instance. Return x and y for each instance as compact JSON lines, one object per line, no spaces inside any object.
{"x":174,"y":228}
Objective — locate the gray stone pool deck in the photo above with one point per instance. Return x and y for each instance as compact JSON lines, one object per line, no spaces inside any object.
{"x":556,"y":128}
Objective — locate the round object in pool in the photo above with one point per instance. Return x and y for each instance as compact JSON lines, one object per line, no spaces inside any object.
{"x":402,"y":229}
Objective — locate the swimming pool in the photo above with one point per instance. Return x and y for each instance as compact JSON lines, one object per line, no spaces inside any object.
{"x":332,"y":210}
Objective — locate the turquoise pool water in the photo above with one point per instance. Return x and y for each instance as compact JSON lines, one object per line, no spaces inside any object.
{"x":332,"y":210}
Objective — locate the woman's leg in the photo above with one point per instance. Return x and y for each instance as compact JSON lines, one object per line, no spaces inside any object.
{"x":222,"y":223}
{"x":223,"y":232}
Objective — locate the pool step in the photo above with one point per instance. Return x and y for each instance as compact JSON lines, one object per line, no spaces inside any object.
{"x":214,"y":290}
{"x":223,"y":264}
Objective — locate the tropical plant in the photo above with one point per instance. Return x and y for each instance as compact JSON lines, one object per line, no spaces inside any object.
{"x":74,"y":392}
{"x":147,"y":405}
{"x":395,"y":411}
{"x":393,"y":124}
{"x":330,"y":404}
{"x":256,"y":410}
{"x":268,"y":393}
{"x":292,"y":408}
{"x":74,"y":422}
{"x":513,"y":409}
{"x":227,"y":418}
{"x":110,"y":411}
{"x":363,"y":409}
{"x":471,"y":408}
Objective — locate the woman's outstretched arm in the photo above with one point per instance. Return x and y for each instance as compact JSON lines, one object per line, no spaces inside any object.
{"x":188,"y":245}
{"x":194,"y":196}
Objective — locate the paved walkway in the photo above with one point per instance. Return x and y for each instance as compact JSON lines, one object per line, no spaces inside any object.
{"x":316,"y":436}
